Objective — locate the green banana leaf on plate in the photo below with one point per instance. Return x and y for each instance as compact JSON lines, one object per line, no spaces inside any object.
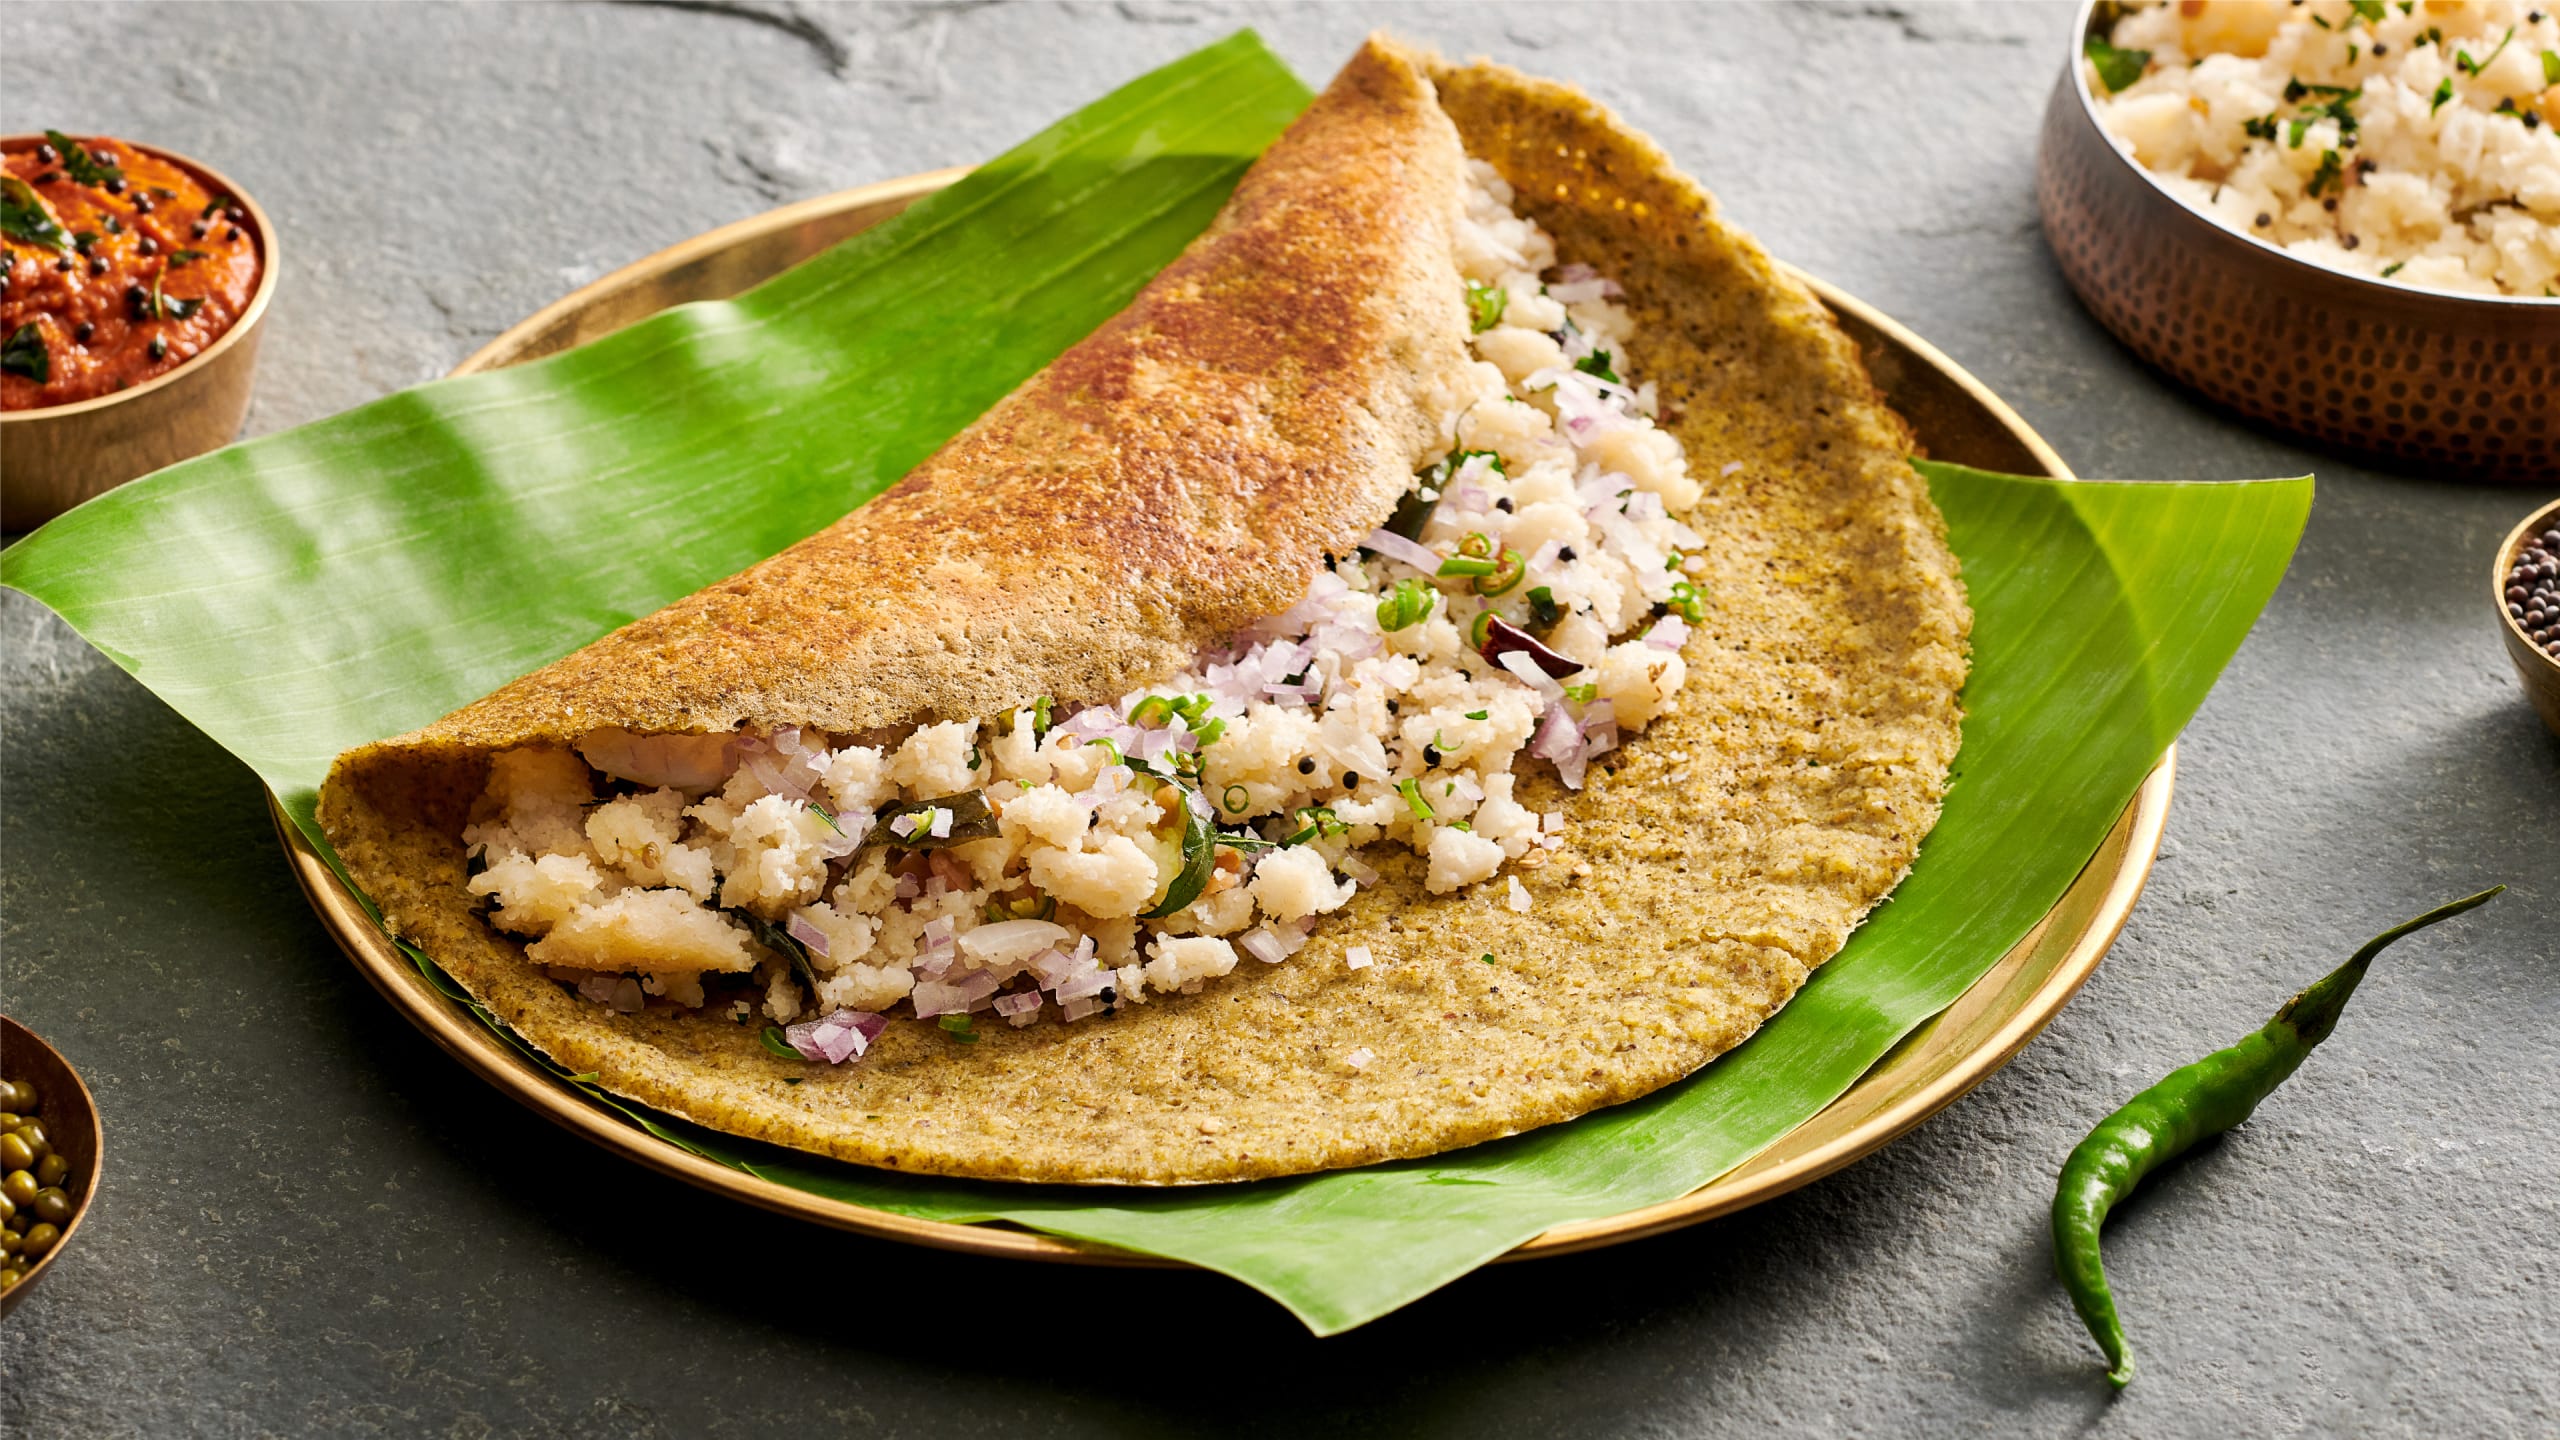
{"x":357,"y":577}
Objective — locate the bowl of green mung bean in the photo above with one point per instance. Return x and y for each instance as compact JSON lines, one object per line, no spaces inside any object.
{"x":49,"y":1156}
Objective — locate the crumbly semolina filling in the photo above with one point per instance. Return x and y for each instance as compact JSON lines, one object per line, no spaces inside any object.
{"x":2416,"y":141}
{"x":1525,"y":607}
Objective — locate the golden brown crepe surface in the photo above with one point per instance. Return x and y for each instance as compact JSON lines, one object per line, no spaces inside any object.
{"x":1184,"y":471}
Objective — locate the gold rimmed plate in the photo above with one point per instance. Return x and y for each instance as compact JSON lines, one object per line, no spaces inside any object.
{"x":1956,"y":419}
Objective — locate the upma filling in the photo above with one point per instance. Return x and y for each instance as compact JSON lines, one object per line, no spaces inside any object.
{"x":1525,"y":606}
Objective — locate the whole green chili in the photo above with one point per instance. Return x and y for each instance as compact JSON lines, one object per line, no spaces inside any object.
{"x":2205,"y":1098}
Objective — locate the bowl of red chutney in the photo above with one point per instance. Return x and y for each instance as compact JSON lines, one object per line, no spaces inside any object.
{"x":137,"y":282}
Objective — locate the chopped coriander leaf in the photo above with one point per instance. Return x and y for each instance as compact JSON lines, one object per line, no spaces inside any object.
{"x":2463,"y":62}
{"x":960,"y":1028}
{"x":1597,"y":364}
{"x":2116,"y":68}
{"x":2261,"y":128}
{"x":1543,"y":609}
{"x":24,"y":219}
{"x":1478,"y":714}
{"x":24,"y":353}
{"x":2369,"y":11}
{"x":79,"y":164}
{"x":2326,"y":176}
{"x":2293,"y":132}
{"x":1485,"y":304}
{"x":1485,"y":959}
{"x":2444,"y":92}
{"x":1581,"y":694}
{"x":2392,"y":269}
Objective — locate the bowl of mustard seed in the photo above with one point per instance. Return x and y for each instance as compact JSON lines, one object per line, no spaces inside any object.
{"x":2526,"y":581}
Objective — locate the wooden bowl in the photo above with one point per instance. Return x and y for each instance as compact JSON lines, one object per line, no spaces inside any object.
{"x":55,"y":457}
{"x":2539,"y":672}
{"x":71,"y":1124}
{"x":2461,"y":386}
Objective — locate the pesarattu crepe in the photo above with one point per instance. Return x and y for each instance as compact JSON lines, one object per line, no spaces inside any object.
{"x":1458,"y":651}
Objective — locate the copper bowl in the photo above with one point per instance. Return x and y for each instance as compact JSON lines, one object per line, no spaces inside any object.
{"x":2455,"y":385}
{"x":53,"y":458}
{"x":2534,"y":666}
{"x":71,"y":1126}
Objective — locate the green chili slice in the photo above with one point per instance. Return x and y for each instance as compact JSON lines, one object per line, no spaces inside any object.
{"x":1510,"y":567}
{"x":2205,"y":1098}
{"x":1409,"y":602}
{"x":1411,"y":790}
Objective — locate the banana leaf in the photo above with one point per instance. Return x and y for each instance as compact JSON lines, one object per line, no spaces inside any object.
{"x":303,"y":593}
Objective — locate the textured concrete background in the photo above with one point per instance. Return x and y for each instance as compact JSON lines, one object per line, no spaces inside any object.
{"x":315,"y":1223}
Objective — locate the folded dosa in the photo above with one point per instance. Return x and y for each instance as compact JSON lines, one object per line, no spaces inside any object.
{"x":1186,"y":471}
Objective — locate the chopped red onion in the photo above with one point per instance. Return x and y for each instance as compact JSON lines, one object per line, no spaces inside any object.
{"x":839,"y":1037}
{"x":1088,"y":982}
{"x":1560,"y":740}
{"x":904,"y":827}
{"x":908,"y":886}
{"x":1731,"y":467}
{"x":1578,"y":273}
{"x":1011,"y":942}
{"x":1358,"y":870}
{"x":1264,"y":946}
{"x":954,"y":997}
{"x":1021,"y":1002}
{"x":1668,"y":633}
{"x":1395,"y":547}
{"x":1529,"y":674}
{"x":941,"y":823}
{"x":1599,"y":728}
{"x":807,"y":934}
{"x":1079,"y":1007}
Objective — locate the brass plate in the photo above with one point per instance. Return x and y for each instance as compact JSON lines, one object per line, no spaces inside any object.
{"x":1957,"y":419}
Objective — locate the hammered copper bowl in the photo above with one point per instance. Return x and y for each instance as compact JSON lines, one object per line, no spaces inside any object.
{"x":2539,"y":672}
{"x":71,"y":1125}
{"x":53,"y":458}
{"x":2460,"y":386}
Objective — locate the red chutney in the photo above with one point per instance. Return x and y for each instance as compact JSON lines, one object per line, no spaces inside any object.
{"x":121,"y":267}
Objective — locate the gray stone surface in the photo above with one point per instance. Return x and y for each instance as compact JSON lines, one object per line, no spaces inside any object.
{"x":315,"y":1223}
